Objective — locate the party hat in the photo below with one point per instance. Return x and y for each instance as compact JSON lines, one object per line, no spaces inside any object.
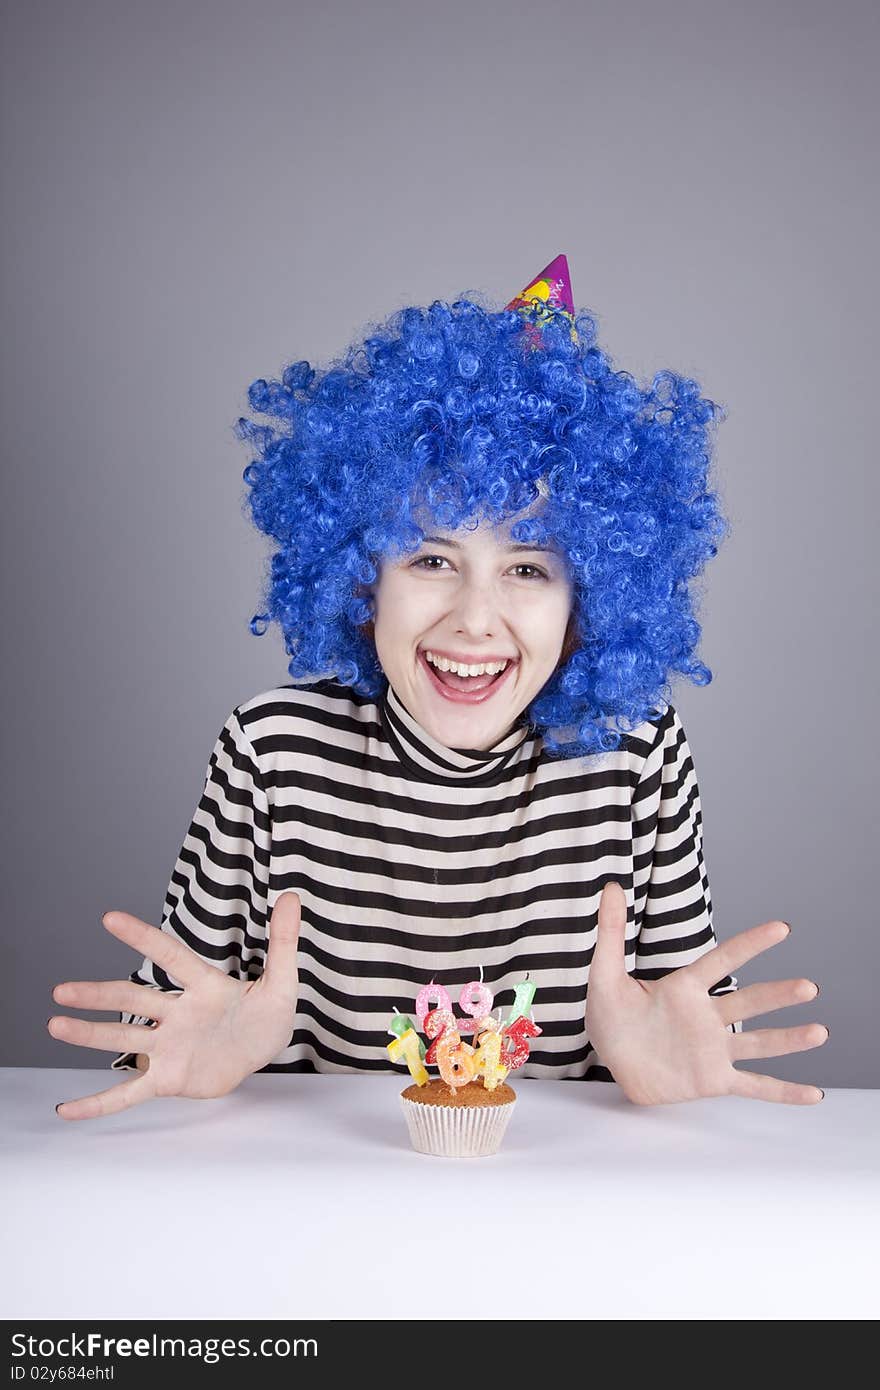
{"x":549,"y":293}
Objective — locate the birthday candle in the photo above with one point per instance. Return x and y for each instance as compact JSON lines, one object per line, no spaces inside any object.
{"x":406,"y":1047}
{"x":428,"y":993}
{"x":517,"y":1033}
{"x":399,"y":1025}
{"x":487,"y":1057}
{"x":436,"y":1024}
{"x":523,"y":995}
{"x":454,"y":1059}
{"x":476,"y":1000}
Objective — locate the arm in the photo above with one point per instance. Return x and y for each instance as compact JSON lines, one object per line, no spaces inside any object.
{"x":673,"y":905}
{"x":217,"y":900}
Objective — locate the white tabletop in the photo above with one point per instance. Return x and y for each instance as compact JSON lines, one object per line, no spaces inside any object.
{"x":300,"y":1197}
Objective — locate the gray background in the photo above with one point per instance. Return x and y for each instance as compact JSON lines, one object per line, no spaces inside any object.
{"x":197,"y":194}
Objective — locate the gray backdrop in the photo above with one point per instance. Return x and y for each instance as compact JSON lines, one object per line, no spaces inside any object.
{"x":197,"y":193}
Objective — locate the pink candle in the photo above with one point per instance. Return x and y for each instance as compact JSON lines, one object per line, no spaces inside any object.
{"x":427,"y":994}
{"x":475,"y":1000}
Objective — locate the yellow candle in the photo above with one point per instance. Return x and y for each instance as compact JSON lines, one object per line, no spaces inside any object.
{"x":486,"y":1060}
{"x":406,"y":1048}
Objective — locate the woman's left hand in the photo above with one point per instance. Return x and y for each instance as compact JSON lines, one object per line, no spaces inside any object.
{"x":668,"y":1040}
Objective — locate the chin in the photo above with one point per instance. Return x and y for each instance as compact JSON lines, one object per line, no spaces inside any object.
{"x":470,"y":726}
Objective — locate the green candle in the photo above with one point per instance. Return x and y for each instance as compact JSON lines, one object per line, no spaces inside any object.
{"x":523,"y":995}
{"x":399,"y":1025}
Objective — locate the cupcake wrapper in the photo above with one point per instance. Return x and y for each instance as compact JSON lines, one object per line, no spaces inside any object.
{"x":462,"y":1131}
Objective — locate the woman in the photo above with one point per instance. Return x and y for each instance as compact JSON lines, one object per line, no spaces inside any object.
{"x":485,"y":541}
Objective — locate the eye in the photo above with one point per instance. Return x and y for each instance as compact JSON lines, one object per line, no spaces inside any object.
{"x":424,"y":558}
{"x":537,"y":573}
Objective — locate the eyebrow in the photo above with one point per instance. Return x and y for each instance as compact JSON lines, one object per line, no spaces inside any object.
{"x":514,"y":546}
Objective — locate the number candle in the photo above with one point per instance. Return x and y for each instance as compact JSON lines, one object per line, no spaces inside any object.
{"x":523,"y":995}
{"x":438,"y":1022}
{"x":454,"y":1059}
{"x":399,"y":1025}
{"x":406,"y":1047}
{"x":517,"y":1033}
{"x":476,"y":1000}
{"x":487,"y":1057}
{"x":424,"y":997}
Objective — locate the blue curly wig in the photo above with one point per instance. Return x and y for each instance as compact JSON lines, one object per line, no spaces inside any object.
{"x":447,"y":408}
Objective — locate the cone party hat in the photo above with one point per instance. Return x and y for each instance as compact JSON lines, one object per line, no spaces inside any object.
{"x":549,"y":293}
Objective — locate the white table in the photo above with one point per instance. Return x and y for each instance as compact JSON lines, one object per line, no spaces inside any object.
{"x":300,"y":1197}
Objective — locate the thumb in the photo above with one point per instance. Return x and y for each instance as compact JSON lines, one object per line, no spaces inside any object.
{"x":279,"y":971}
{"x":609,"y":955}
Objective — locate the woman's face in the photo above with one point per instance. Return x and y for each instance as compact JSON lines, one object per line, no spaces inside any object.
{"x":471,"y":596}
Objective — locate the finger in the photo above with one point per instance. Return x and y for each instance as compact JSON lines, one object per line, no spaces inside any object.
{"x":108,"y":1037}
{"x":751,"y":1000}
{"x":777,"y":1042}
{"x":609,"y":954}
{"x":729,"y":956}
{"x":158,"y":946}
{"x":120,"y":1097}
{"x":280,"y":972}
{"x":124,"y":995}
{"x":753,"y":1086}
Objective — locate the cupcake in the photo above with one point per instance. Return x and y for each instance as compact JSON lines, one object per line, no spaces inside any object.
{"x":463,"y":1113}
{"x":457,"y":1122}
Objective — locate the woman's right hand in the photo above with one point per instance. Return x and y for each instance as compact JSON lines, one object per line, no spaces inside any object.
{"x":207,"y":1038}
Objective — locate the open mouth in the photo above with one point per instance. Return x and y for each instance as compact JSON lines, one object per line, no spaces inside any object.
{"x":465,"y":689}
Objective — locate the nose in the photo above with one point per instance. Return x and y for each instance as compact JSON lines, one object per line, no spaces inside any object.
{"x":477,"y":609}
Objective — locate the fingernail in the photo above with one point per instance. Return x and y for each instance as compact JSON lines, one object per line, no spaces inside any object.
{"x":823,"y":1093}
{"x":787,"y":924}
{"x":58,"y":1106}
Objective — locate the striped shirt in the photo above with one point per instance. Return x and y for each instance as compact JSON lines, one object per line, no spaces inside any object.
{"x":417,"y":862}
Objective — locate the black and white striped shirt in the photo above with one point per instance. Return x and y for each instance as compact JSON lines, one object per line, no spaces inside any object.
{"x":415,"y":862}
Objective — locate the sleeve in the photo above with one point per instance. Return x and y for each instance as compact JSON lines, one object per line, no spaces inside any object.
{"x":217,"y":900}
{"x":673,"y":904}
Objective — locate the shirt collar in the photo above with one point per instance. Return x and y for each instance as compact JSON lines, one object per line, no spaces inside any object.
{"x":431,"y":761}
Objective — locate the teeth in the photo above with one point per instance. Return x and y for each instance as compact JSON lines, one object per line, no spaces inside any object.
{"x":443,"y":664}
